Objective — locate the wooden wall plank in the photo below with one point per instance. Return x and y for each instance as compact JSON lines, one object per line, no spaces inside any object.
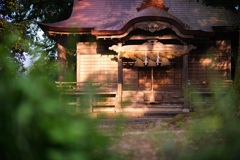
{"x":93,"y":66}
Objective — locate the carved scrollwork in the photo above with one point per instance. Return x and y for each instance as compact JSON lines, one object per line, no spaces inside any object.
{"x":151,"y":26}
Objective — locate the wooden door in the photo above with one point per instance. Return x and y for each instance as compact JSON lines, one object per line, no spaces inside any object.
{"x":163,"y":78}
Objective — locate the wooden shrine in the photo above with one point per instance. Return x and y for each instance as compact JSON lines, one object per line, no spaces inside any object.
{"x":143,"y":56}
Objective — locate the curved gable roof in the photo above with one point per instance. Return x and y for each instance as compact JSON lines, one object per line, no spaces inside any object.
{"x":113,"y":15}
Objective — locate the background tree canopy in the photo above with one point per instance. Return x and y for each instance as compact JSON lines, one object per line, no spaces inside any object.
{"x":21,"y":16}
{"x":223,"y":3}
{"x":32,"y":10}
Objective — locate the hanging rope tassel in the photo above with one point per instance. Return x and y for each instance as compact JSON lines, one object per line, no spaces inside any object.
{"x":158,"y":60}
{"x":146,"y":59}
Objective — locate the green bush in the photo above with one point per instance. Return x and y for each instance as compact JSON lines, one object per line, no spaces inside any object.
{"x":210,"y":134}
{"x":33,"y":125}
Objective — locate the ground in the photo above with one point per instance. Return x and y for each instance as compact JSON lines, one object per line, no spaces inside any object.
{"x":141,"y":139}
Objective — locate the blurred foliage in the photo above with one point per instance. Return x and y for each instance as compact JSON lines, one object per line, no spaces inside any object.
{"x":212,"y":133}
{"x":32,"y":123}
{"x":216,"y":134}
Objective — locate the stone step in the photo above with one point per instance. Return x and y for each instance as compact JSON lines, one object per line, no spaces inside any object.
{"x":164,"y":105}
{"x":153,"y":104}
{"x":163,"y":109}
{"x":151,"y":109}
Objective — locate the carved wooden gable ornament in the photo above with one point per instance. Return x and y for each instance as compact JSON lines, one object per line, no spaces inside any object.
{"x":150,"y":3}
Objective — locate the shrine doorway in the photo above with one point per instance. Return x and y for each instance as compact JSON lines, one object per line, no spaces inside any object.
{"x":161,"y":77}
{"x":156,"y":85}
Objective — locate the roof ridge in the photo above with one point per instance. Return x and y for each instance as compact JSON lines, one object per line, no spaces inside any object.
{"x":149,"y":3}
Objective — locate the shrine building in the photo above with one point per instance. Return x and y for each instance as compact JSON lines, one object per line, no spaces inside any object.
{"x":144,"y":56}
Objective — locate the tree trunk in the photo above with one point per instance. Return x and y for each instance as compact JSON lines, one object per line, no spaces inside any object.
{"x":236,"y":83}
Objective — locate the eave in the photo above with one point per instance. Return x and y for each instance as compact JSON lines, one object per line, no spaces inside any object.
{"x":53,"y":30}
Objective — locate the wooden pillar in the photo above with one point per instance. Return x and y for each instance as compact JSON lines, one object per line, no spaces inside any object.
{"x":120,"y":85}
{"x":78,"y":100}
{"x":62,"y":62}
{"x":78,"y":64}
{"x":185,"y":83}
{"x":152,"y":98}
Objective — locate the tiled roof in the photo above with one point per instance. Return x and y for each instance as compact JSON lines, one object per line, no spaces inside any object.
{"x":198,"y":16}
{"x":114,"y":14}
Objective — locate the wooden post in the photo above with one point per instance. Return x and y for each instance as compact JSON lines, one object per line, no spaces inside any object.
{"x":78,"y":65}
{"x":152,"y":98}
{"x":118,"y":107}
{"x":62,"y":61}
{"x":78,"y":99}
{"x":185,"y":83}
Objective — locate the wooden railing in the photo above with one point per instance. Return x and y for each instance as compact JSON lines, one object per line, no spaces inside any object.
{"x":93,"y":94}
{"x":204,"y":96}
{"x":210,"y":88}
{"x":86,"y":86}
